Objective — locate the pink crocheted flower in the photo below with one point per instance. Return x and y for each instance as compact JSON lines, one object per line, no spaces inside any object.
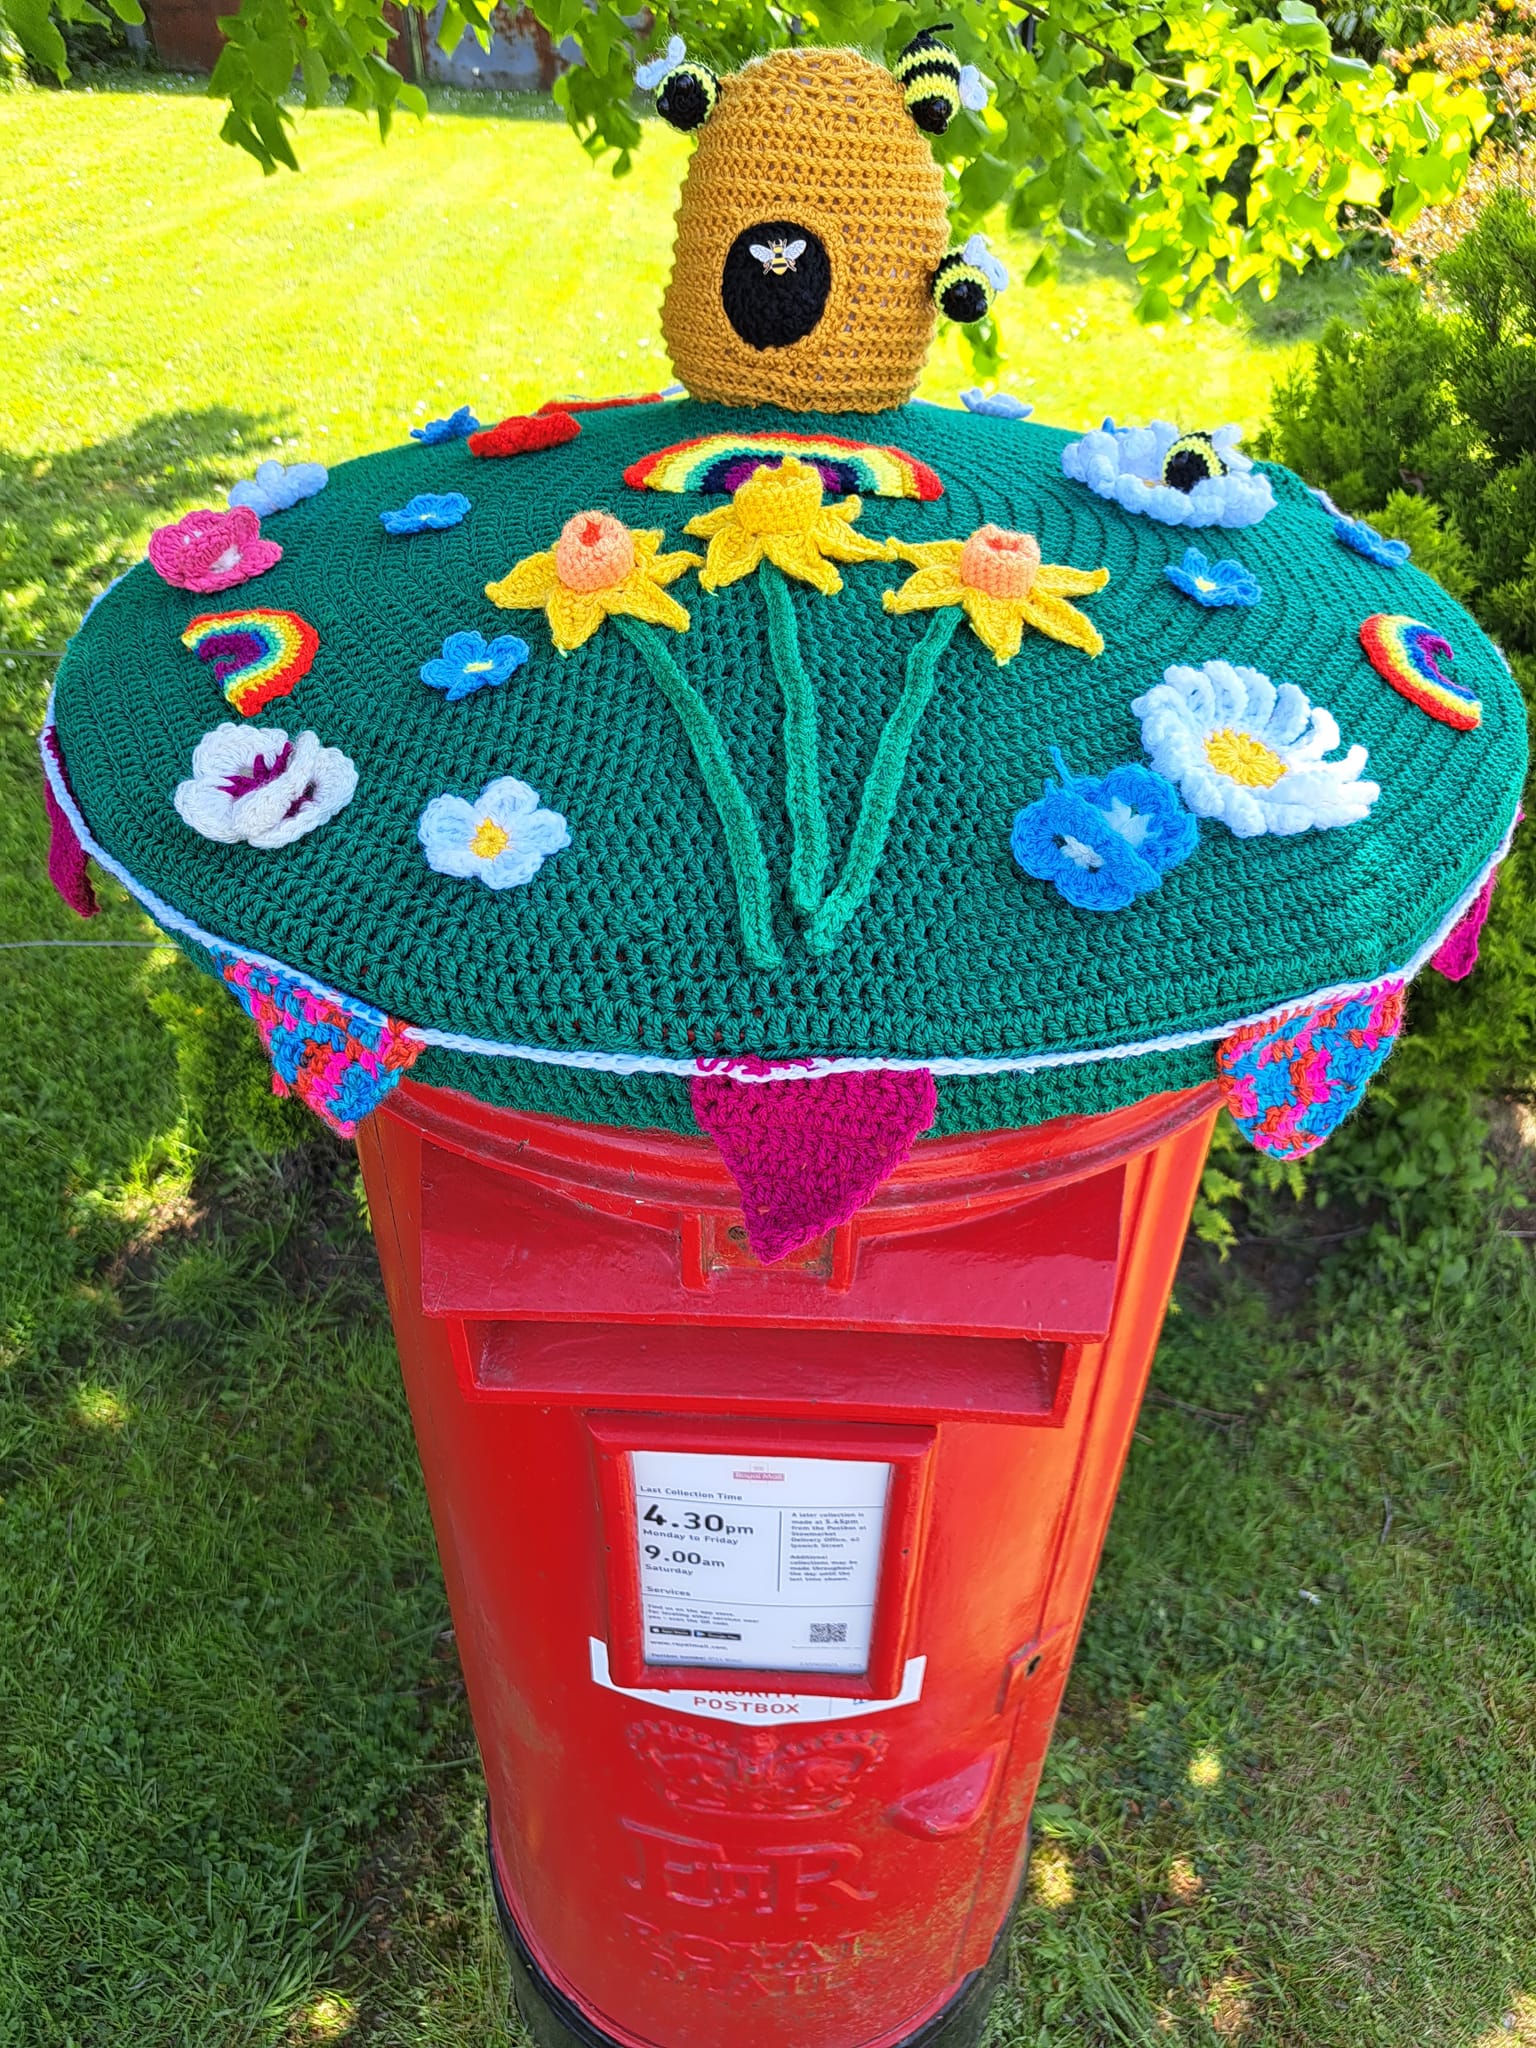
{"x":212,"y":550}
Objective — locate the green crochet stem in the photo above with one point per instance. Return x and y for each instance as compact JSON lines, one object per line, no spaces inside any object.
{"x":883,"y":785}
{"x":802,"y":770}
{"x":743,"y":843}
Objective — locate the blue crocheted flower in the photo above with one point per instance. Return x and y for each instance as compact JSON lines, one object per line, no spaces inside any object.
{"x":1103,"y":842}
{"x":469,"y":663}
{"x":427,"y":514}
{"x":1214,"y":583}
{"x":1365,"y":540}
{"x":996,"y":405}
{"x":457,"y":427}
{"x":502,"y":838}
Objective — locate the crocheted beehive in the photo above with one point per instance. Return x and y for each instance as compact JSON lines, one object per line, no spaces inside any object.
{"x":698,"y":759}
{"x":811,"y":146}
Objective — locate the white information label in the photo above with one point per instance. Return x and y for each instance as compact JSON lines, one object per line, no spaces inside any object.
{"x":758,"y":1564}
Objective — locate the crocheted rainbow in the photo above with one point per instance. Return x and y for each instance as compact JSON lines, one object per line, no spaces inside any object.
{"x":715,"y":464}
{"x":1409,"y":655}
{"x":256,"y":655}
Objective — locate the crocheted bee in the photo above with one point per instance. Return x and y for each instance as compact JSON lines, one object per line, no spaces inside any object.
{"x":812,"y":253}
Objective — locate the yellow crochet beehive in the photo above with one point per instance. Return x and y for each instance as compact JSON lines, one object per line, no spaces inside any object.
{"x":811,"y":222}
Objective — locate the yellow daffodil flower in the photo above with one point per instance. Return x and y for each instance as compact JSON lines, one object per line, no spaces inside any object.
{"x":597,"y":567}
{"x":1000,"y":580}
{"x":777,"y":515}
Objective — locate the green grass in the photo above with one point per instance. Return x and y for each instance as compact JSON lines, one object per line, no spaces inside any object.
{"x":1291,"y":1801}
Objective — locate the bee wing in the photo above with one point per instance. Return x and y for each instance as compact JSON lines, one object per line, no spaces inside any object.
{"x":761,"y":252}
{"x":792,"y":250}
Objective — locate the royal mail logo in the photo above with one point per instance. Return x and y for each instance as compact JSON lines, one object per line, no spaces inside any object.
{"x":701,"y":1772}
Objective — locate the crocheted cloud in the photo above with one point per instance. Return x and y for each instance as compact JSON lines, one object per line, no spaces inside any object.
{"x":457,"y":427}
{"x":997,"y":405}
{"x":1250,"y":754}
{"x":212,"y":550}
{"x":502,"y":839}
{"x":1127,"y":464}
{"x":429,"y":512}
{"x":469,"y":662}
{"x":257,"y":786}
{"x":1213,"y":583}
{"x":1102,"y":843}
{"x":275,"y":489}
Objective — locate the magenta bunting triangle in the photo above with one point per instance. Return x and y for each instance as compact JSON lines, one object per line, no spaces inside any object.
{"x":807,"y":1155}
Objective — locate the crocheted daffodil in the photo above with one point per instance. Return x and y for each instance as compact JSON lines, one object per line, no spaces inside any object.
{"x":597,"y":567}
{"x":1003,"y":585}
{"x":777,"y":515}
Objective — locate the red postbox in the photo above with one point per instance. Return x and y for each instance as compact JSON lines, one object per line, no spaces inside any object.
{"x":766,"y":1580}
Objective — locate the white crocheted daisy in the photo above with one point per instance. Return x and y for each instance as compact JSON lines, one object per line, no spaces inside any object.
{"x":1251,"y":754}
{"x":502,"y":838}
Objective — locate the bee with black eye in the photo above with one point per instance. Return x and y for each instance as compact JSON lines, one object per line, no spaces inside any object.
{"x":967,"y":281}
{"x":685,"y":91}
{"x":1191,"y":460}
{"x":778,"y":258}
{"x":928,"y":73}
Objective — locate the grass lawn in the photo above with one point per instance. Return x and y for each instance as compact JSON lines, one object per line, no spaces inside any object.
{"x":1291,"y":1802}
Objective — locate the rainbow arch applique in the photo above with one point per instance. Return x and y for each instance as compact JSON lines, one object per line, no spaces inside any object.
{"x":715,"y":464}
{"x":257,"y":655}
{"x":1408,"y":654}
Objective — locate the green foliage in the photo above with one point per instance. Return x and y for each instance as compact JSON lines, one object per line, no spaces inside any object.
{"x":1216,"y":143}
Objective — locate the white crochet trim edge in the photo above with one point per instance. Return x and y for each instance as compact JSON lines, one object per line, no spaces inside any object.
{"x":809,"y":1069}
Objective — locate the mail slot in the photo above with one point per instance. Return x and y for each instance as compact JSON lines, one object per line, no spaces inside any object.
{"x":766,"y":1579}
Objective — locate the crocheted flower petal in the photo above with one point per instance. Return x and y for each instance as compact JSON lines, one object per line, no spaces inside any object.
{"x":998,"y":622}
{"x":929,"y":587}
{"x":846,"y":509}
{"x":574,"y":616}
{"x":507,"y":801}
{"x":798,"y":555}
{"x":843,"y":544}
{"x":459,"y":648}
{"x":445,"y":830}
{"x":732,"y":555}
{"x":1059,"y":620}
{"x":525,"y":586}
{"x":643,"y":599}
{"x":1054,"y":579}
{"x":667,"y":568}
{"x":926,"y":554}
{"x":707,"y":524}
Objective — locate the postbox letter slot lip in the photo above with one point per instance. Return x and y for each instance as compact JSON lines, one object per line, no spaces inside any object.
{"x":906,"y":1448}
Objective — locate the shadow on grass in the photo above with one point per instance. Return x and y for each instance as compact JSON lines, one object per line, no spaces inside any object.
{"x":72,"y":519}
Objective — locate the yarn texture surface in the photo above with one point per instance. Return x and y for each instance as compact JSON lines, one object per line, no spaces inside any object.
{"x":817,"y":143}
{"x":629,"y":946}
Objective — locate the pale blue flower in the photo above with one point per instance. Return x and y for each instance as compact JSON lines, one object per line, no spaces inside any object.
{"x":502,"y":839}
{"x":428,"y":513}
{"x":996,"y":405}
{"x":457,"y":427}
{"x":1214,"y":583}
{"x":275,"y":489}
{"x":1365,"y":540}
{"x":469,"y":663}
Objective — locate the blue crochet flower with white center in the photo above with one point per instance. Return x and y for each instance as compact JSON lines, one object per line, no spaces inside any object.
{"x":1214,"y":583}
{"x":457,"y":427}
{"x":1102,"y":842}
{"x":469,"y":662}
{"x":428,"y":513}
{"x":1365,"y":540}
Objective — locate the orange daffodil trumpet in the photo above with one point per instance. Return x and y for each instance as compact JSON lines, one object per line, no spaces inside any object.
{"x":1003,"y":586}
{"x":598,"y":568}
{"x":778,"y":516}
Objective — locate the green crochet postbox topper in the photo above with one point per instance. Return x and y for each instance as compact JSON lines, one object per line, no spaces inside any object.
{"x":649,"y":762}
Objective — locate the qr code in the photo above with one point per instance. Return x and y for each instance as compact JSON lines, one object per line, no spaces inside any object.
{"x":829,"y":1631}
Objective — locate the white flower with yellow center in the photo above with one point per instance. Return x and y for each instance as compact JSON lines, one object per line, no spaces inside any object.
{"x":502,"y":839}
{"x":1251,"y":754}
